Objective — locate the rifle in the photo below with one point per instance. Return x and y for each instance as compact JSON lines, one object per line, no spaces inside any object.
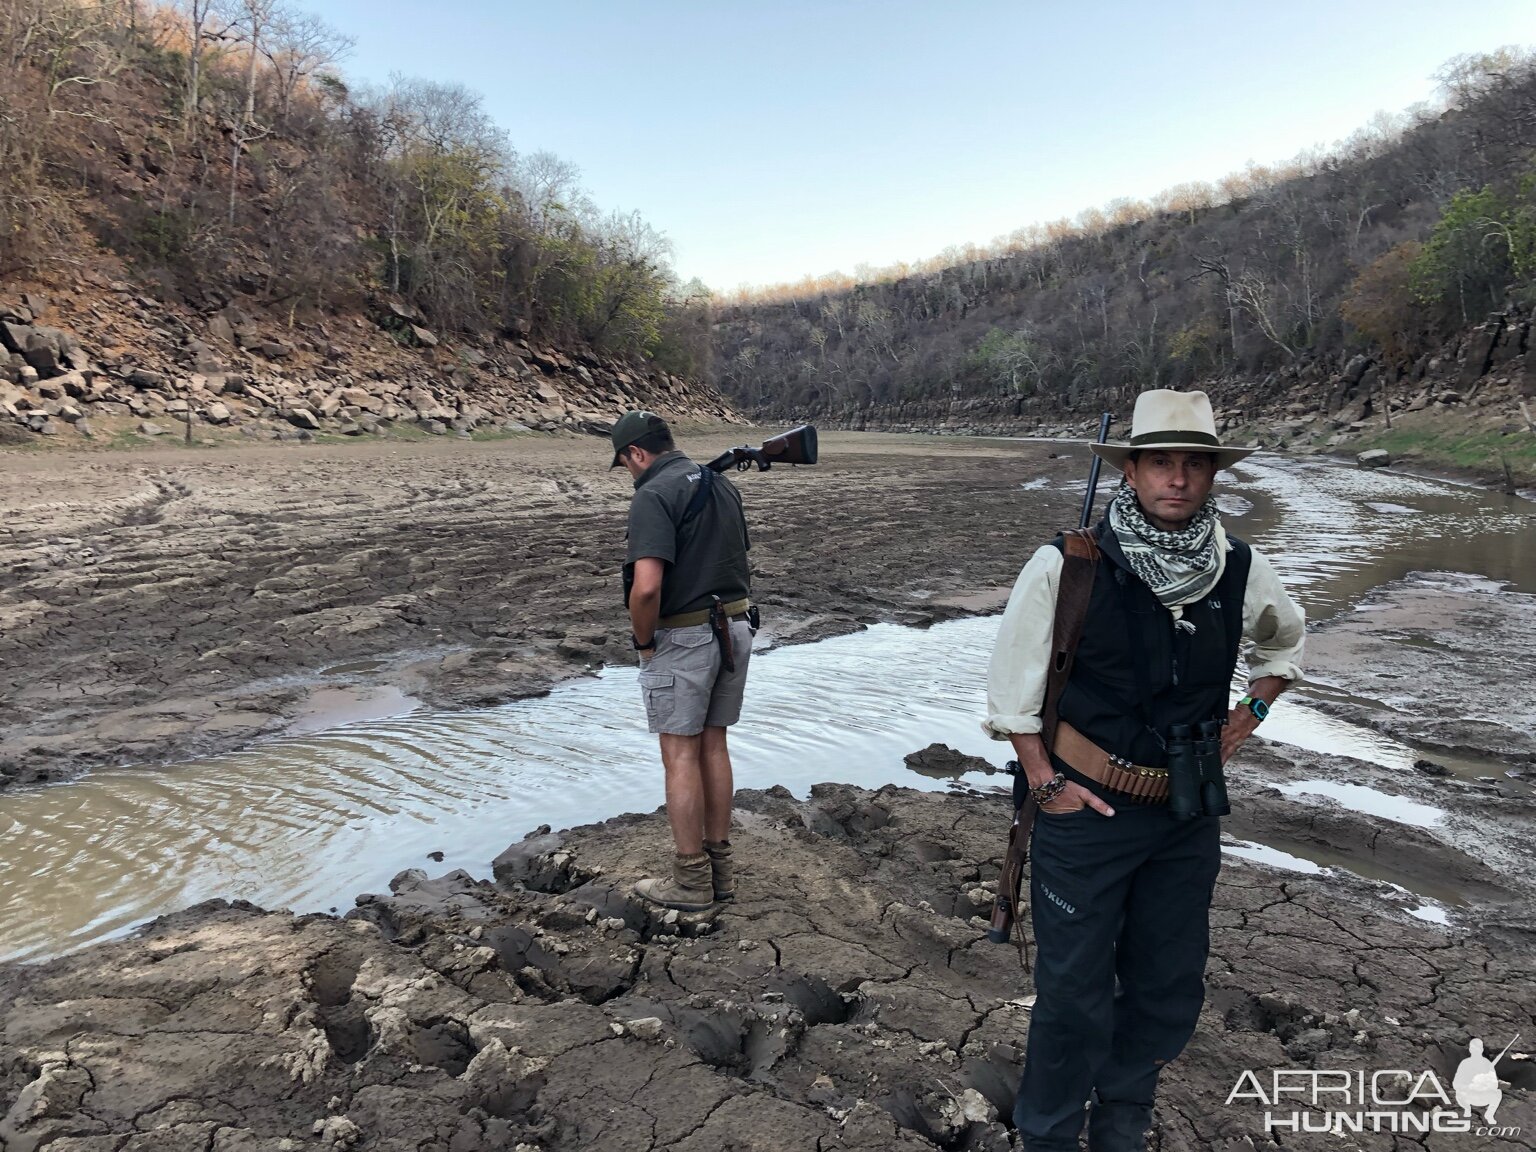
{"x":797,"y":446}
{"x":1081,"y":555}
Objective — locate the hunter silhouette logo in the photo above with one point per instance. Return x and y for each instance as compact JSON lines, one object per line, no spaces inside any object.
{"x":1476,"y":1082}
{"x":1341,"y":1101}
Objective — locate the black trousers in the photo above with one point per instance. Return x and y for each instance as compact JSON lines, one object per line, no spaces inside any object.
{"x":1121,"y":916}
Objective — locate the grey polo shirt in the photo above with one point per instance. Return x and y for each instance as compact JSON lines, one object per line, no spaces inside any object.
{"x":707,"y":556}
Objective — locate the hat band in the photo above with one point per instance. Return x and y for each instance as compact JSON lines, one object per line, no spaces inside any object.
{"x":1174,"y":438}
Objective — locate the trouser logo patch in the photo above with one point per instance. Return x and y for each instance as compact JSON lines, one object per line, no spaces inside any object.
{"x":1069,"y":909}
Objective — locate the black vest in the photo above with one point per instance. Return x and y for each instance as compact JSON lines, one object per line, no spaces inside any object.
{"x":1135,"y":672}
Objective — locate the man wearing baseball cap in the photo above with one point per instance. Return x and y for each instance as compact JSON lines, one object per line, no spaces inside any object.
{"x":687,"y":557}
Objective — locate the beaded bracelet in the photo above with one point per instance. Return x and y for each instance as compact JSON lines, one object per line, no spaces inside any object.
{"x":1051,"y":789}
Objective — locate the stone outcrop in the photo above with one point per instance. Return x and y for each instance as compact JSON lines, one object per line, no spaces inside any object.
{"x":227,"y":369}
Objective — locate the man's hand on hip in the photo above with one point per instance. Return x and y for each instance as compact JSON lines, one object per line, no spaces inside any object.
{"x":1240,"y":725}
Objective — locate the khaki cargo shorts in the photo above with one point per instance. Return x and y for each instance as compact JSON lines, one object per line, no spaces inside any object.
{"x":685,"y":687}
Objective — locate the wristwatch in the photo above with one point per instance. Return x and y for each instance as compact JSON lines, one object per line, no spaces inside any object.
{"x":634,"y":642}
{"x":1254,"y":705}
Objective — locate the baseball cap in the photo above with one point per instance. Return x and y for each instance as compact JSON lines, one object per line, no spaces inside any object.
{"x":633,"y":426}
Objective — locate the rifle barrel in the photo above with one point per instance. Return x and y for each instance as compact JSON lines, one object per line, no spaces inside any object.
{"x":1507,"y":1047}
{"x":1093,"y":474}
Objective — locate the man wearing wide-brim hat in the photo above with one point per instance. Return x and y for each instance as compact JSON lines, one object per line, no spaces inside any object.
{"x":1122,"y":866}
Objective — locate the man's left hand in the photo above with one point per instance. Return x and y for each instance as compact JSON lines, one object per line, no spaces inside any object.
{"x":1240,"y":725}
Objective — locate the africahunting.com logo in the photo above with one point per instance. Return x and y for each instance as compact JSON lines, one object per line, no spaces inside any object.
{"x":1388,"y":1100}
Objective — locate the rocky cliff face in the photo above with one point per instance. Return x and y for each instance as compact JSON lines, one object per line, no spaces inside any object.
{"x":74,"y":359}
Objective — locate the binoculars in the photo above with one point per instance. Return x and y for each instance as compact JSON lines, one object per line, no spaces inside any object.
{"x":1196,"y":786}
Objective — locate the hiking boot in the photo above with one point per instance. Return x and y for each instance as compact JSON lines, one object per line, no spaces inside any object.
{"x":722,"y":868}
{"x":1118,"y":1127}
{"x":689,"y":890}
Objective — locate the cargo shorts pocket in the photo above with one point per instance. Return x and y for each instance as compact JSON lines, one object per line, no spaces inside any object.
{"x":695,"y":637}
{"x":660,"y":692}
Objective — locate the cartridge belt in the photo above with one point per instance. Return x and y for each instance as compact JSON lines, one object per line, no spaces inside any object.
{"x":735,"y":609}
{"x":1149,"y":785}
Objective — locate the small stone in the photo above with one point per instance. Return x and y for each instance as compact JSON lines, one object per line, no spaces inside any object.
{"x":1374,"y":458}
{"x":646,"y":1028}
{"x":976,"y":1108}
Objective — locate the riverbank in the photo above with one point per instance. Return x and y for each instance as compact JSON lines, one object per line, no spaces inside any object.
{"x":849,"y":999}
{"x":167,"y":604}
{"x":1373,"y":914}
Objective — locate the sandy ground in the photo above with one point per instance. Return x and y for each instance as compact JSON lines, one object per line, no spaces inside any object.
{"x":168,"y":603}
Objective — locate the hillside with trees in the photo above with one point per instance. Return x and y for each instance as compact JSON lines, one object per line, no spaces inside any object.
{"x":1360,"y":271}
{"x":163,"y":165}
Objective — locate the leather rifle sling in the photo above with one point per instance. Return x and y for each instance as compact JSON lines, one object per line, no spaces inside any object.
{"x":1080,"y":562}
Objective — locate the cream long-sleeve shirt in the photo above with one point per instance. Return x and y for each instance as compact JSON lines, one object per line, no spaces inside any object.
{"x":1273,"y":623}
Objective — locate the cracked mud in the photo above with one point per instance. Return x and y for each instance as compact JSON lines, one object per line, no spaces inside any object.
{"x":848,"y":999}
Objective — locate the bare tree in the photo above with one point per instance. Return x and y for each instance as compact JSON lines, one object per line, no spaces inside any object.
{"x":298,"y":45}
{"x":204,"y":24}
{"x":250,"y":20}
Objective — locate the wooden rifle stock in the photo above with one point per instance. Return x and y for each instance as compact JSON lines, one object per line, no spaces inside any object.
{"x":1079,"y":564}
{"x":797,"y":446}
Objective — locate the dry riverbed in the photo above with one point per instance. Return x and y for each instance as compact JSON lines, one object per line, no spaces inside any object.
{"x":165,"y":604}
{"x":849,"y":999}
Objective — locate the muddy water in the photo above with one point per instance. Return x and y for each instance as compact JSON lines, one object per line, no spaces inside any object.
{"x":307,"y":822}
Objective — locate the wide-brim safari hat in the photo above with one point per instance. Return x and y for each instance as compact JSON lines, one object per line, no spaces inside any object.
{"x":1174,"y":422}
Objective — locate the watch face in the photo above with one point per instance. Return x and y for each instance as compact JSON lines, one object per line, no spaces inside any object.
{"x":1259,"y":708}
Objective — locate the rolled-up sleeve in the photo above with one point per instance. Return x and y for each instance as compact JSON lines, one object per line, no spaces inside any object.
{"x":1022,"y":655}
{"x":1275,"y":624}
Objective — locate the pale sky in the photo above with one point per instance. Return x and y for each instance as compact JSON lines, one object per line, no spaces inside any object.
{"x":791,"y":137}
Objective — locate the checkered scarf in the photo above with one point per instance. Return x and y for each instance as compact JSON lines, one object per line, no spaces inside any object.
{"x":1180,"y":567}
